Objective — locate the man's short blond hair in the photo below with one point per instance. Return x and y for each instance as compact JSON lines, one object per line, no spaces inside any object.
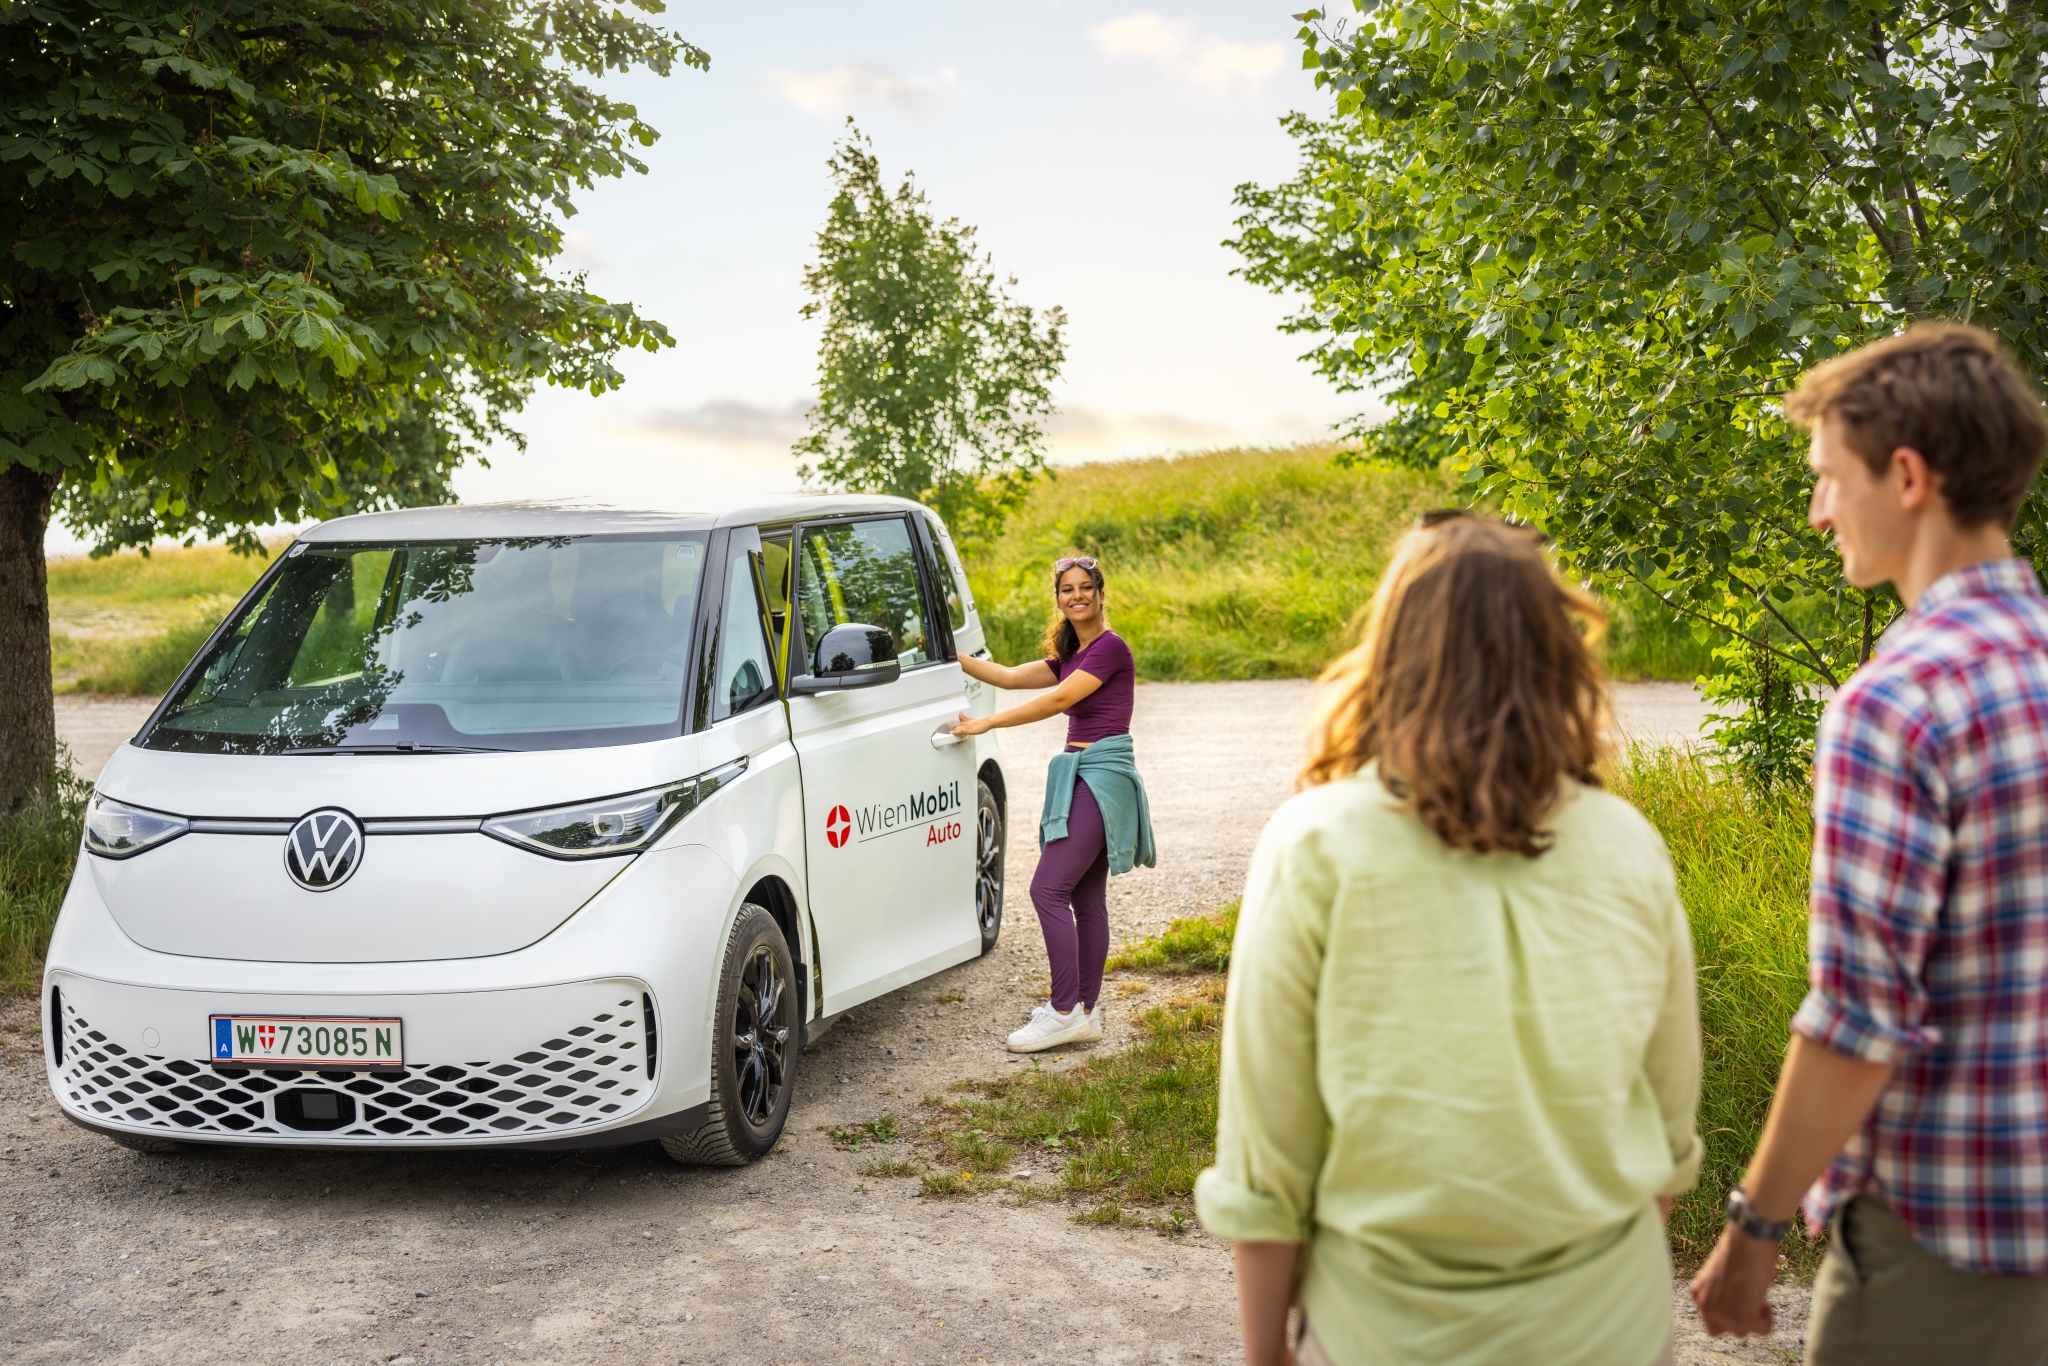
{"x":1949,"y":392}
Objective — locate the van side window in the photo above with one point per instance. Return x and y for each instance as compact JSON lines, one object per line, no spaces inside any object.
{"x":775,"y":567}
{"x":951,"y":578}
{"x":862,"y":572}
{"x":745,"y":674}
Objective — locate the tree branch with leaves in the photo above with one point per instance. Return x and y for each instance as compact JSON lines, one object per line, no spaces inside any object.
{"x":269,"y":260}
{"x":1583,"y":251}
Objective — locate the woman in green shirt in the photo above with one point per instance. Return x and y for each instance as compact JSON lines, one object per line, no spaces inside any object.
{"x":1461,"y":1047}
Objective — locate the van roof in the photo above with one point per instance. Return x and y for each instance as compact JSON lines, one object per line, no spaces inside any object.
{"x":574,"y":517}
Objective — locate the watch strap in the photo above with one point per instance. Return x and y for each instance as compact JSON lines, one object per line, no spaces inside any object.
{"x":1743,"y":1216}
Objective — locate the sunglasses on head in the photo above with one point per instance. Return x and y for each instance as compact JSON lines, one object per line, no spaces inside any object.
{"x":1430,"y":517}
{"x":1073,"y":562}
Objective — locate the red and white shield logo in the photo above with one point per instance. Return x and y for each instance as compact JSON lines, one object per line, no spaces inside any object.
{"x":838,"y":827}
{"x":268,"y":1034}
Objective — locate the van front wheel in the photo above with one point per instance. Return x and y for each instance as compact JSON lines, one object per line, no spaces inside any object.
{"x":753,"y":1049}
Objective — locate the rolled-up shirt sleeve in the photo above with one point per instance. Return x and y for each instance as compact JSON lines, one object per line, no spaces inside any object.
{"x":1272,"y":1129}
{"x":1881,"y":852}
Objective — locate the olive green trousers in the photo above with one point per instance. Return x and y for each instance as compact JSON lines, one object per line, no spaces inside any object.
{"x":1881,"y":1299}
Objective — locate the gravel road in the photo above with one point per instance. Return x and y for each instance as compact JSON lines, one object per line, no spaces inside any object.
{"x":621,"y":1256}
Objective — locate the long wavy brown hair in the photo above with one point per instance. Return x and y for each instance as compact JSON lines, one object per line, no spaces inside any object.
{"x":1474,"y":687}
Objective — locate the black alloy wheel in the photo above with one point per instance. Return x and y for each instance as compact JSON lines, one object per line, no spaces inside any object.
{"x":760,"y":1039}
{"x":988,"y":865}
{"x":753,"y":1048}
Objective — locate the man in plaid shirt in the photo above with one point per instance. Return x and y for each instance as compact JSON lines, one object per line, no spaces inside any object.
{"x":1916,"y":1087}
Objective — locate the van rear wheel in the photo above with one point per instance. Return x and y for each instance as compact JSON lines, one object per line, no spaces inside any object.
{"x":753,"y":1049}
{"x":988,"y":865}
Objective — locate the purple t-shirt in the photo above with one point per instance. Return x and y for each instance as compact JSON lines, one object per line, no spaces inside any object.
{"x":1107,"y":710}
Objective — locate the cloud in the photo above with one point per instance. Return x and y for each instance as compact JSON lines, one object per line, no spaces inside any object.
{"x":731,"y":423}
{"x":838,"y":92}
{"x":1214,"y":65}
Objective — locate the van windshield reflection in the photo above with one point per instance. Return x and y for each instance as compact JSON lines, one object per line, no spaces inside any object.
{"x":553,"y":642}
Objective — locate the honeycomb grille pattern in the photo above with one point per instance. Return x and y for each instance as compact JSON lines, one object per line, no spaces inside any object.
{"x":587,"y":1074}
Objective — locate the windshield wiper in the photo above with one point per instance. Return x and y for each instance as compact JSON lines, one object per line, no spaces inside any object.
{"x":397,"y":749}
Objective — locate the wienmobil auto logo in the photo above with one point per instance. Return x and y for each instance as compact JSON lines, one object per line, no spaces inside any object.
{"x":323,"y":850}
{"x":932,"y":811}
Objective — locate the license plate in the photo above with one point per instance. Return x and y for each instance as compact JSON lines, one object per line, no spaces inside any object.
{"x":307,"y":1040}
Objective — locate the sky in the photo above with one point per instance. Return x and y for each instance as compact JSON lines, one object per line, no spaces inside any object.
{"x":1094,"y":147}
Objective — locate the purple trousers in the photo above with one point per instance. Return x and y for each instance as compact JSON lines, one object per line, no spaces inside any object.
{"x":1071,"y":892}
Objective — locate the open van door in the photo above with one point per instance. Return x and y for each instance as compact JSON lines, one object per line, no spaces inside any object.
{"x":889,"y":794}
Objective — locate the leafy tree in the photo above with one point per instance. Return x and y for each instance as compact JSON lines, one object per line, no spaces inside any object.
{"x":274,"y":260}
{"x":933,"y":383}
{"x":1584,"y":250}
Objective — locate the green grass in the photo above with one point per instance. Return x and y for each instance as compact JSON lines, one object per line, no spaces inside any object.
{"x":1241,"y":563}
{"x":1131,"y":1126}
{"x":1199,"y":943}
{"x":38,"y":846}
{"x":1238,"y":564}
{"x":127,"y":623}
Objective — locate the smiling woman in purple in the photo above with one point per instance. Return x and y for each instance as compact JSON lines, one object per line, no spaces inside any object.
{"x":1095,"y":822}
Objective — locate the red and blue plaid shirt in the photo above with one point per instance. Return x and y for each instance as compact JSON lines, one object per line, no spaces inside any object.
{"x":1929,"y":935}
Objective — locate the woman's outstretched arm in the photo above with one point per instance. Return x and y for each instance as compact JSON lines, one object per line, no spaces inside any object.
{"x":1036,"y":674}
{"x":1077,"y":686}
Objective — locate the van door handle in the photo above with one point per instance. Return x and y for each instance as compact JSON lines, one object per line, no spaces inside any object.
{"x":945,"y":739}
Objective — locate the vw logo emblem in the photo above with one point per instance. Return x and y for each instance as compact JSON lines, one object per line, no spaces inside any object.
{"x":324,"y":849}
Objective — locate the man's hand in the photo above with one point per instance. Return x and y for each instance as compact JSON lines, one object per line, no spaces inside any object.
{"x":1823,"y":1097}
{"x":1733,"y":1288}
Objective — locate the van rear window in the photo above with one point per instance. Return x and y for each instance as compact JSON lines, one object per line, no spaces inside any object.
{"x":540,"y":643}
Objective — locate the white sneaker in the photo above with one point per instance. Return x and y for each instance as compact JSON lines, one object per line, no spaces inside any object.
{"x":1049,"y":1029}
{"x":1094,"y":1030}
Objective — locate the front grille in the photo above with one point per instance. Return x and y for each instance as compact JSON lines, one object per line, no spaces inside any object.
{"x":588,"y":1074}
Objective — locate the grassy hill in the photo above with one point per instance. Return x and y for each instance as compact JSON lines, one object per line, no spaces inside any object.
{"x":1234,"y":564}
{"x":129,"y":622}
{"x":1241,"y":563}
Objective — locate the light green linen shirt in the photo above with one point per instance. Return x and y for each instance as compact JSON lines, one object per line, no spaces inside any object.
{"x":1461,"y":1080}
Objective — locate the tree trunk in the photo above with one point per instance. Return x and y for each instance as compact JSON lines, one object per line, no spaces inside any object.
{"x":28,"y":714}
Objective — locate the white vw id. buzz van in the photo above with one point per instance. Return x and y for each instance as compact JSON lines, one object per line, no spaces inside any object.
{"x":532,"y":826}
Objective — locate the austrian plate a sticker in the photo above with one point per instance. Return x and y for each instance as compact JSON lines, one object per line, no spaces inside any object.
{"x":308,"y":1040}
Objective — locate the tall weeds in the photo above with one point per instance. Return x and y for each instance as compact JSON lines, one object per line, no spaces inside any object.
{"x":38,"y":846}
{"x":1741,"y":854}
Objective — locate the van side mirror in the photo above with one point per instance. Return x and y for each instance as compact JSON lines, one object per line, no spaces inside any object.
{"x":850,"y":656}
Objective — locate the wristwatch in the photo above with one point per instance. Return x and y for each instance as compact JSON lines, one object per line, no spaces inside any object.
{"x":1741,"y":1215}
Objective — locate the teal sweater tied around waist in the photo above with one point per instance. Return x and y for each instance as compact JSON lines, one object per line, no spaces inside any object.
{"x":1111,"y":770}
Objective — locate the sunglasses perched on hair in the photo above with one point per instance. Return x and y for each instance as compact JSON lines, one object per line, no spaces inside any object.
{"x":1430,"y":517}
{"x":1073,"y":562}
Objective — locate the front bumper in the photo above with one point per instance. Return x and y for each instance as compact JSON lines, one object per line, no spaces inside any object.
{"x":550,"y":1046}
{"x":542,"y":1063}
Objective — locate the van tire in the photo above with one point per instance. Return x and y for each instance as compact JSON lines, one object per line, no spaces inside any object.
{"x":753,"y":1059}
{"x":149,"y":1143}
{"x":989,"y":838}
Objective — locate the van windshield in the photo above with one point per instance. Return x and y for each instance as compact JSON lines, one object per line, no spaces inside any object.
{"x":561,"y":642}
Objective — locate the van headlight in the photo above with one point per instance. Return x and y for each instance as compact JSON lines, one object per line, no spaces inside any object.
{"x":624,"y":824}
{"x":117,"y":830}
